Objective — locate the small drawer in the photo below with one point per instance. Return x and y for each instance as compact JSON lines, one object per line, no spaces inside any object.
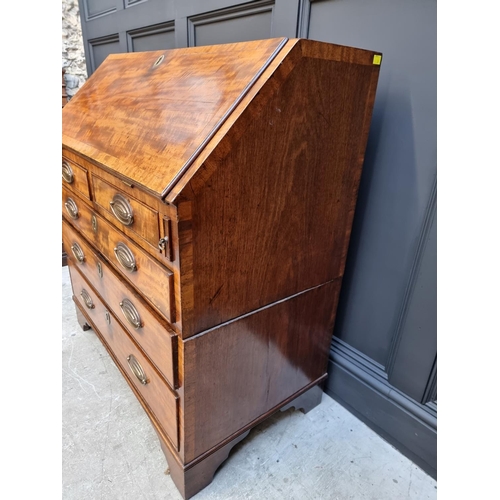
{"x":130,"y":215}
{"x":157,"y":340}
{"x":157,"y":396}
{"x":80,"y":214}
{"x":154,"y":281}
{"x":74,"y":177}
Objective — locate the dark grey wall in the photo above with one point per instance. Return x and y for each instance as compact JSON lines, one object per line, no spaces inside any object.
{"x":383,"y":363}
{"x":383,"y":358}
{"x":400,"y":162}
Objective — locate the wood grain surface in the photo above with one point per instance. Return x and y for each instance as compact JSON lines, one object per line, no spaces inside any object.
{"x":80,"y":182}
{"x":161,"y":400}
{"x":154,"y":281}
{"x":272,"y":208}
{"x":236,"y":372}
{"x":155,"y":337}
{"x":145,"y":219}
{"x":144,"y":121}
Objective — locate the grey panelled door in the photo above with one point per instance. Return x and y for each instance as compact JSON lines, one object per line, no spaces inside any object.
{"x":111,"y":26}
{"x":383,"y":358}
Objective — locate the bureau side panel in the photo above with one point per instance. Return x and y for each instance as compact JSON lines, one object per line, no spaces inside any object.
{"x":236,"y":373}
{"x":273,"y":217}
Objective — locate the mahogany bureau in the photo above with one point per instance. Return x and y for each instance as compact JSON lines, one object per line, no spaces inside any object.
{"x":208,"y":196}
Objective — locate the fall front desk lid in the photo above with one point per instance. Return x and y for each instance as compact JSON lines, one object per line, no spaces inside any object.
{"x":146,"y":116}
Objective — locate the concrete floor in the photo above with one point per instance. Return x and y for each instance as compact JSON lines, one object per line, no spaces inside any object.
{"x":110,"y":450}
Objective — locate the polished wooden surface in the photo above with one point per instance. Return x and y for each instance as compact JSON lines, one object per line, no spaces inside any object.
{"x":268,"y":356}
{"x":241,"y":164}
{"x":154,"y":336}
{"x":161,"y":400}
{"x":286,"y":195}
{"x":145,"y":219}
{"x":191,"y":479}
{"x":265,"y":86}
{"x":128,"y":190}
{"x":153,"y":280}
{"x":145,"y":122}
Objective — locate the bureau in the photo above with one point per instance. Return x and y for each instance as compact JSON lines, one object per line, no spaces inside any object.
{"x":207,"y":201}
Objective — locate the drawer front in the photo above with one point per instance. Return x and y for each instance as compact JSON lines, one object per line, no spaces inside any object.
{"x":156,"y":339}
{"x":128,"y":214}
{"x":75,"y":177}
{"x":155,"y":282}
{"x":160,"y":399}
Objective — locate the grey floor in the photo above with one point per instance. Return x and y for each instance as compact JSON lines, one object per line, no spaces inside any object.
{"x":110,"y":450}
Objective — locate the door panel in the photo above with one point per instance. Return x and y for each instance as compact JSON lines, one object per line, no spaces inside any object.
{"x":414,"y":355}
{"x":157,"y":37}
{"x":100,"y":48}
{"x":232,"y":25}
{"x":96,"y":8}
{"x":114,"y":26}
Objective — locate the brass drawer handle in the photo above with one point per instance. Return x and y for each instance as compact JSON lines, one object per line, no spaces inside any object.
{"x":77,"y":251}
{"x":125,"y":257}
{"x":131,"y":314}
{"x":121,"y":209}
{"x":67,"y":172}
{"x":137,"y":369}
{"x":71,"y":208}
{"x":87,"y":299}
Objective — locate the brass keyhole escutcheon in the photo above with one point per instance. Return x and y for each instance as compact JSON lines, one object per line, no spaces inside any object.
{"x":158,"y":61}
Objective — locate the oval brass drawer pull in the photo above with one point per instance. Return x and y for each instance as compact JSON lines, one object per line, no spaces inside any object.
{"x":137,"y":369}
{"x":71,"y":208}
{"x":125,"y":257}
{"x":131,"y":314}
{"x":121,"y":209}
{"x":77,"y":251}
{"x":87,"y":299}
{"x":67,"y":172}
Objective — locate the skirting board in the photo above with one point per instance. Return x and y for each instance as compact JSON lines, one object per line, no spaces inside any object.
{"x":362,"y":388}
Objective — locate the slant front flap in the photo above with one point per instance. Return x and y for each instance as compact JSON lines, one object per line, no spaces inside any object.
{"x":146,"y":121}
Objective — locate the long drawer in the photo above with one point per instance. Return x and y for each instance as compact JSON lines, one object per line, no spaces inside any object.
{"x":157,"y":340}
{"x":161,"y":401}
{"x":155,"y":281}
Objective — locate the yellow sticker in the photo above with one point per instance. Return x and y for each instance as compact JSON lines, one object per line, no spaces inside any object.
{"x":377,"y":59}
